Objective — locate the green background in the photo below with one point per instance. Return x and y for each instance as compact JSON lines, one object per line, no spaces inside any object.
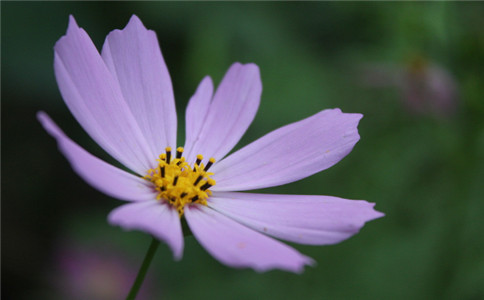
{"x":425,"y":171}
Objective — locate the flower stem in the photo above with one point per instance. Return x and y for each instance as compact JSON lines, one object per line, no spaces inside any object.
{"x":142,"y":271}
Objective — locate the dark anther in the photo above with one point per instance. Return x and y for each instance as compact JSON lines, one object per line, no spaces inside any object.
{"x":162,"y":170}
{"x":194,"y":198}
{"x":198,"y":180}
{"x":197,"y":163}
{"x":178,"y":153}
{"x":168,"y":156}
{"x":175,"y":180}
{"x":183,"y":195}
{"x":163,"y":188}
{"x":209,"y":164}
{"x":205,"y":186}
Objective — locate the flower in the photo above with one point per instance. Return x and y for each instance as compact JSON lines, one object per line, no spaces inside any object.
{"x":100,"y":272}
{"x":123,"y":98}
{"x":426,"y":88}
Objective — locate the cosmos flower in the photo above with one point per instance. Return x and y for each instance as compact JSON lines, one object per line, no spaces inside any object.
{"x":100,"y":272}
{"x":124,"y":100}
{"x":426,"y":88}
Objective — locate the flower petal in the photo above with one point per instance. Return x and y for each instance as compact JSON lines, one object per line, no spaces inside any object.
{"x":289,"y":153}
{"x":101,"y":175}
{"x":196,"y":114}
{"x":233,"y":108}
{"x":134,"y":58}
{"x":95,"y":99}
{"x":313,"y":220}
{"x":154,"y":217}
{"x":239,"y":246}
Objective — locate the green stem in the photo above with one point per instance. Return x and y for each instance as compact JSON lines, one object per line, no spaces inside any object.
{"x":142,"y":271}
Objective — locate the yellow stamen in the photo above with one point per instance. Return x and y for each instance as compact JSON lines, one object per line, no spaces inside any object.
{"x":209,"y":164}
{"x":180,"y":184}
{"x":168,"y":154}
{"x":179,"y":152}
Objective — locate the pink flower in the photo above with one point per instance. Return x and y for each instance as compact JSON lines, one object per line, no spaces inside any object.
{"x":94,"y":273}
{"x":123,"y":98}
{"x":426,"y":88}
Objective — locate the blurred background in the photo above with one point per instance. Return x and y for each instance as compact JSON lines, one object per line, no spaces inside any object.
{"x":415,"y":70}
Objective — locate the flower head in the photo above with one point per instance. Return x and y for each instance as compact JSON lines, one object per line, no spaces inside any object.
{"x":83,"y":272}
{"x":426,"y":88}
{"x":124,"y":100}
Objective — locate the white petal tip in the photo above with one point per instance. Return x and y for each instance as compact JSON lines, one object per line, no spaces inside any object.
{"x":177,"y":256}
{"x":358,"y":116}
{"x":135,"y":20}
{"x":207,"y":80}
{"x":48,"y":124}
{"x":377,"y":215}
{"x":296,"y":267}
{"x":135,"y":24}
{"x":72,"y":23}
{"x":247,"y":66}
{"x":41,"y":115}
{"x":308,"y":261}
{"x":73,"y":31}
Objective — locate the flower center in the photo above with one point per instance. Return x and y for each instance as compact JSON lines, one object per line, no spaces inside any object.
{"x":178,"y":183}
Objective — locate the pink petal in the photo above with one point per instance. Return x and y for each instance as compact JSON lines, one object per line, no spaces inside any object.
{"x":104,"y":177}
{"x":239,"y":246}
{"x":196,"y":114}
{"x":134,"y":58}
{"x":154,"y":217}
{"x":289,"y":153}
{"x":232,"y":110}
{"x":313,"y":220}
{"x":95,"y":99}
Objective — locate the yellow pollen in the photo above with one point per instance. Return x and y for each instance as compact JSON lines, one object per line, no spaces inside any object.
{"x":178,"y":183}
